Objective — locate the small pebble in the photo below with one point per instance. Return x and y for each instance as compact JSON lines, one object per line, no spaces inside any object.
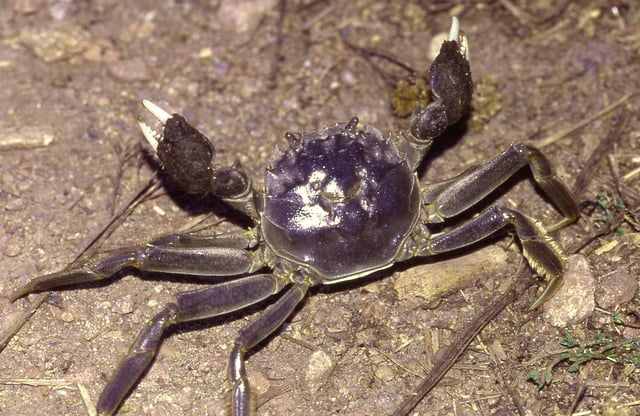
{"x":243,"y":16}
{"x":55,"y":45}
{"x":616,"y":288}
{"x":15,"y":204}
{"x":133,"y":69}
{"x":319,"y":369}
{"x":12,"y":249}
{"x":124,"y":305}
{"x":575,"y":300}
{"x":66,"y":316}
{"x":384,"y":400}
{"x":384,"y":372}
{"x":26,"y":6}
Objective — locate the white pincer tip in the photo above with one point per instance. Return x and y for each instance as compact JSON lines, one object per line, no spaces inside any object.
{"x":152,"y":136}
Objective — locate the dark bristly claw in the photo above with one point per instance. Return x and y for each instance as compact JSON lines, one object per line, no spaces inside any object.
{"x":188,"y":157}
{"x":451,"y":86}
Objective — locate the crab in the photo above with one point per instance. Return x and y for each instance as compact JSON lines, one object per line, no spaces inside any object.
{"x":337,"y":205}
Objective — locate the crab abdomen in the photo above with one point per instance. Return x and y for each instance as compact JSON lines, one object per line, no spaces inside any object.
{"x":341,"y":202}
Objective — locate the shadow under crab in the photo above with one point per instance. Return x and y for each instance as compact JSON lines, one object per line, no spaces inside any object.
{"x":338,"y":205}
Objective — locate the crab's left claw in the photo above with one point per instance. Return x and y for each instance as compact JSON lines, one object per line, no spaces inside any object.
{"x":451,"y":85}
{"x":187,"y":155}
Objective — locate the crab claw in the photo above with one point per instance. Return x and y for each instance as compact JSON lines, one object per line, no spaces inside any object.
{"x":451,"y":86}
{"x":186,"y":154}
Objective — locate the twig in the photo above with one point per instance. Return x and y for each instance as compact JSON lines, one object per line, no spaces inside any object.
{"x":272,"y":393}
{"x":21,"y":320}
{"x":500,"y":374}
{"x":116,"y":220}
{"x":586,"y":176}
{"x":24,"y":139}
{"x":576,"y":400}
{"x":124,"y":156}
{"x":86,"y":399}
{"x":277,"y":53}
{"x":453,"y":351}
{"x":562,"y":133}
{"x":368,"y":53}
{"x":396,"y":362}
{"x":298,"y":341}
{"x":57,"y":383}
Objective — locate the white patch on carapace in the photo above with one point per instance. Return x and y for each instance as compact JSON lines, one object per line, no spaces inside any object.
{"x":312,"y":214}
{"x":309,"y":191}
{"x":333,"y":191}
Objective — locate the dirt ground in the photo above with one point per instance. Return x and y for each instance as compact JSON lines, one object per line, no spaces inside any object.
{"x":561,"y":77}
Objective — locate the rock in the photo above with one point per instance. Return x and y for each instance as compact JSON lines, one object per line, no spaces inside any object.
{"x":615,"y":288}
{"x":575,"y":300}
{"x":55,"y":44}
{"x":319,"y":369}
{"x":132,"y":69}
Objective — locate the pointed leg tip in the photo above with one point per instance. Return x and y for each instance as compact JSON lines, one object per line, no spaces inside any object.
{"x":20,"y":292}
{"x":552,"y":287}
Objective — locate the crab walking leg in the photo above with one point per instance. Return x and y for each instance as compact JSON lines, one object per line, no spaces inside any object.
{"x":189,"y":306}
{"x":472,"y":186}
{"x":250,"y":336}
{"x":180,"y":253}
{"x":542,"y":253}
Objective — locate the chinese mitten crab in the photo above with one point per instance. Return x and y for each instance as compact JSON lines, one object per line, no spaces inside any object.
{"x":337,"y":205}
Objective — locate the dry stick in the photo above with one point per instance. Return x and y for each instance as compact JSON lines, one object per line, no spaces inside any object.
{"x":273,"y":392}
{"x":143,"y":194}
{"x":124,"y":156}
{"x":562,"y":133}
{"x":508,"y":389}
{"x":451,"y":353}
{"x":604,"y":147}
{"x":576,"y":400}
{"x":368,"y":53}
{"x":92,"y":247}
{"x":277,"y":53}
{"x":22,"y":319}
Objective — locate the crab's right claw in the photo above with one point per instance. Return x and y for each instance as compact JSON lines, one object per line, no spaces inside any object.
{"x":451,"y":85}
{"x":186,"y":154}
{"x":152,"y":136}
